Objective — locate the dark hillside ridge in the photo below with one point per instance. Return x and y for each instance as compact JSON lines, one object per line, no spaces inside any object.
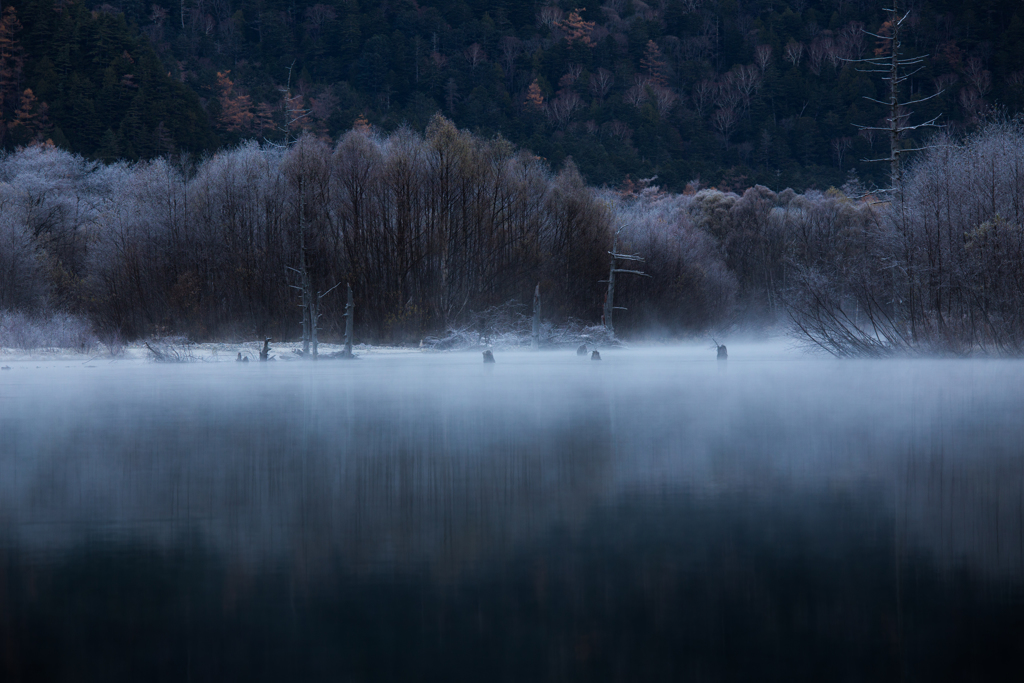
{"x":726,"y":92}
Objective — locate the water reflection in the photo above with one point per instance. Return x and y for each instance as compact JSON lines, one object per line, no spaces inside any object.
{"x":426,"y":517}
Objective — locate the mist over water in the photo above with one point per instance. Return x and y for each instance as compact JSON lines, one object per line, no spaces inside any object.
{"x":655,"y":514}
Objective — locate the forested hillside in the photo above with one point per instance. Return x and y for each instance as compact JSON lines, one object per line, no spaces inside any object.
{"x":730,"y":93}
{"x":92,"y":84}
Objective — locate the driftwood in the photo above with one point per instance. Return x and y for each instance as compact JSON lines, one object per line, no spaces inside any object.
{"x":158,"y":356}
{"x":169,"y":352}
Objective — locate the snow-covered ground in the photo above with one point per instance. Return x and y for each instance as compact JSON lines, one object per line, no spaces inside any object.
{"x":778,"y":348}
{"x":212,"y":352}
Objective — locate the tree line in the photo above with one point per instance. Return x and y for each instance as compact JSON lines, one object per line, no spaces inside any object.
{"x":433,"y":230}
{"x":426,"y":229}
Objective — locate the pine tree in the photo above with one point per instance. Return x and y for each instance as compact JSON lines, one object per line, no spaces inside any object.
{"x":654,"y":64}
{"x":30,"y":121}
{"x":577,"y":31}
{"x":534,"y":97}
{"x":235,"y":109}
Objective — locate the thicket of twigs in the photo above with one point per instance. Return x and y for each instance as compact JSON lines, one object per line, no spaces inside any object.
{"x":938,"y":269}
{"x":171,"y":350}
{"x":25,"y":332}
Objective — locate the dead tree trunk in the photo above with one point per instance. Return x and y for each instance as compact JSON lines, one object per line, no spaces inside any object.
{"x":308,"y":306}
{"x":314,"y":317}
{"x":535,"y":339}
{"x":609,"y":299}
{"x":350,"y":308}
{"x":307,"y":298}
{"x":310,"y":301}
{"x":896,"y":70}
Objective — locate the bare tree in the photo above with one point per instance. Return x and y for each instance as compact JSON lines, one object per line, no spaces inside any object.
{"x":897,"y":71}
{"x":978,"y":76}
{"x":747,"y":82}
{"x":535,"y":336}
{"x":601,"y":82}
{"x":839,"y":148}
{"x":763,"y":56}
{"x":350,"y":309}
{"x":511,"y":48}
{"x":703,"y":96}
{"x":665,"y":99}
{"x":475,"y":55}
{"x":724,"y":120}
{"x":818,"y":53}
{"x":296,"y":115}
{"x":794,"y":52}
{"x":609,"y":299}
{"x":562,"y":108}
{"x":636,"y":95}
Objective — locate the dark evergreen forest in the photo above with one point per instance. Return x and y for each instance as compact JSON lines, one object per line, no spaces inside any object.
{"x":731,"y":93}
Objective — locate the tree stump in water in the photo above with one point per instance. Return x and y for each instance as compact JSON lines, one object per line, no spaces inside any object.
{"x":265,"y":352}
{"x":488,"y":356}
{"x":722,"y":353}
{"x":582,"y":350}
{"x":595,"y":355}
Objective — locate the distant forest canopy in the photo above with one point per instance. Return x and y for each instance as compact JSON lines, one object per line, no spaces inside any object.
{"x":733,"y":93}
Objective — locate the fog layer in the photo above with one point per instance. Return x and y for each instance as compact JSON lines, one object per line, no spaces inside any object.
{"x":438,"y":458}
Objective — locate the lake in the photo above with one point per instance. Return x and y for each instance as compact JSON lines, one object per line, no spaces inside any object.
{"x":423,"y":516}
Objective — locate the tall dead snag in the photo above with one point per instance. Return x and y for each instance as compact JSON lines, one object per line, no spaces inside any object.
{"x":897,"y":71}
{"x":535,"y":339}
{"x":310,"y":301}
{"x":265,"y":352}
{"x":350,"y":309}
{"x":314,"y":316}
{"x":609,"y":299}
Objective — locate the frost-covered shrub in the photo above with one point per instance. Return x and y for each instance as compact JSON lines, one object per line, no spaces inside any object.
{"x":22,"y":284}
{"x":690,"y":285}
{"x":937,"y":268}
{"x":57,"y":331}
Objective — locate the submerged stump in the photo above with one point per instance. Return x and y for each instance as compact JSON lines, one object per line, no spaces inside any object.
{"x":595,"y":355}
{"x":488,"y":356}
{"x":582,"y":350}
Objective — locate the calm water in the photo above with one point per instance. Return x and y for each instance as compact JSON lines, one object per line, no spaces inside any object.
{"x":654,"y":516}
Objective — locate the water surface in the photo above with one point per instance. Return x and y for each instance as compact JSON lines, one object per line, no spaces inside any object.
{"x":655,"y":515}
